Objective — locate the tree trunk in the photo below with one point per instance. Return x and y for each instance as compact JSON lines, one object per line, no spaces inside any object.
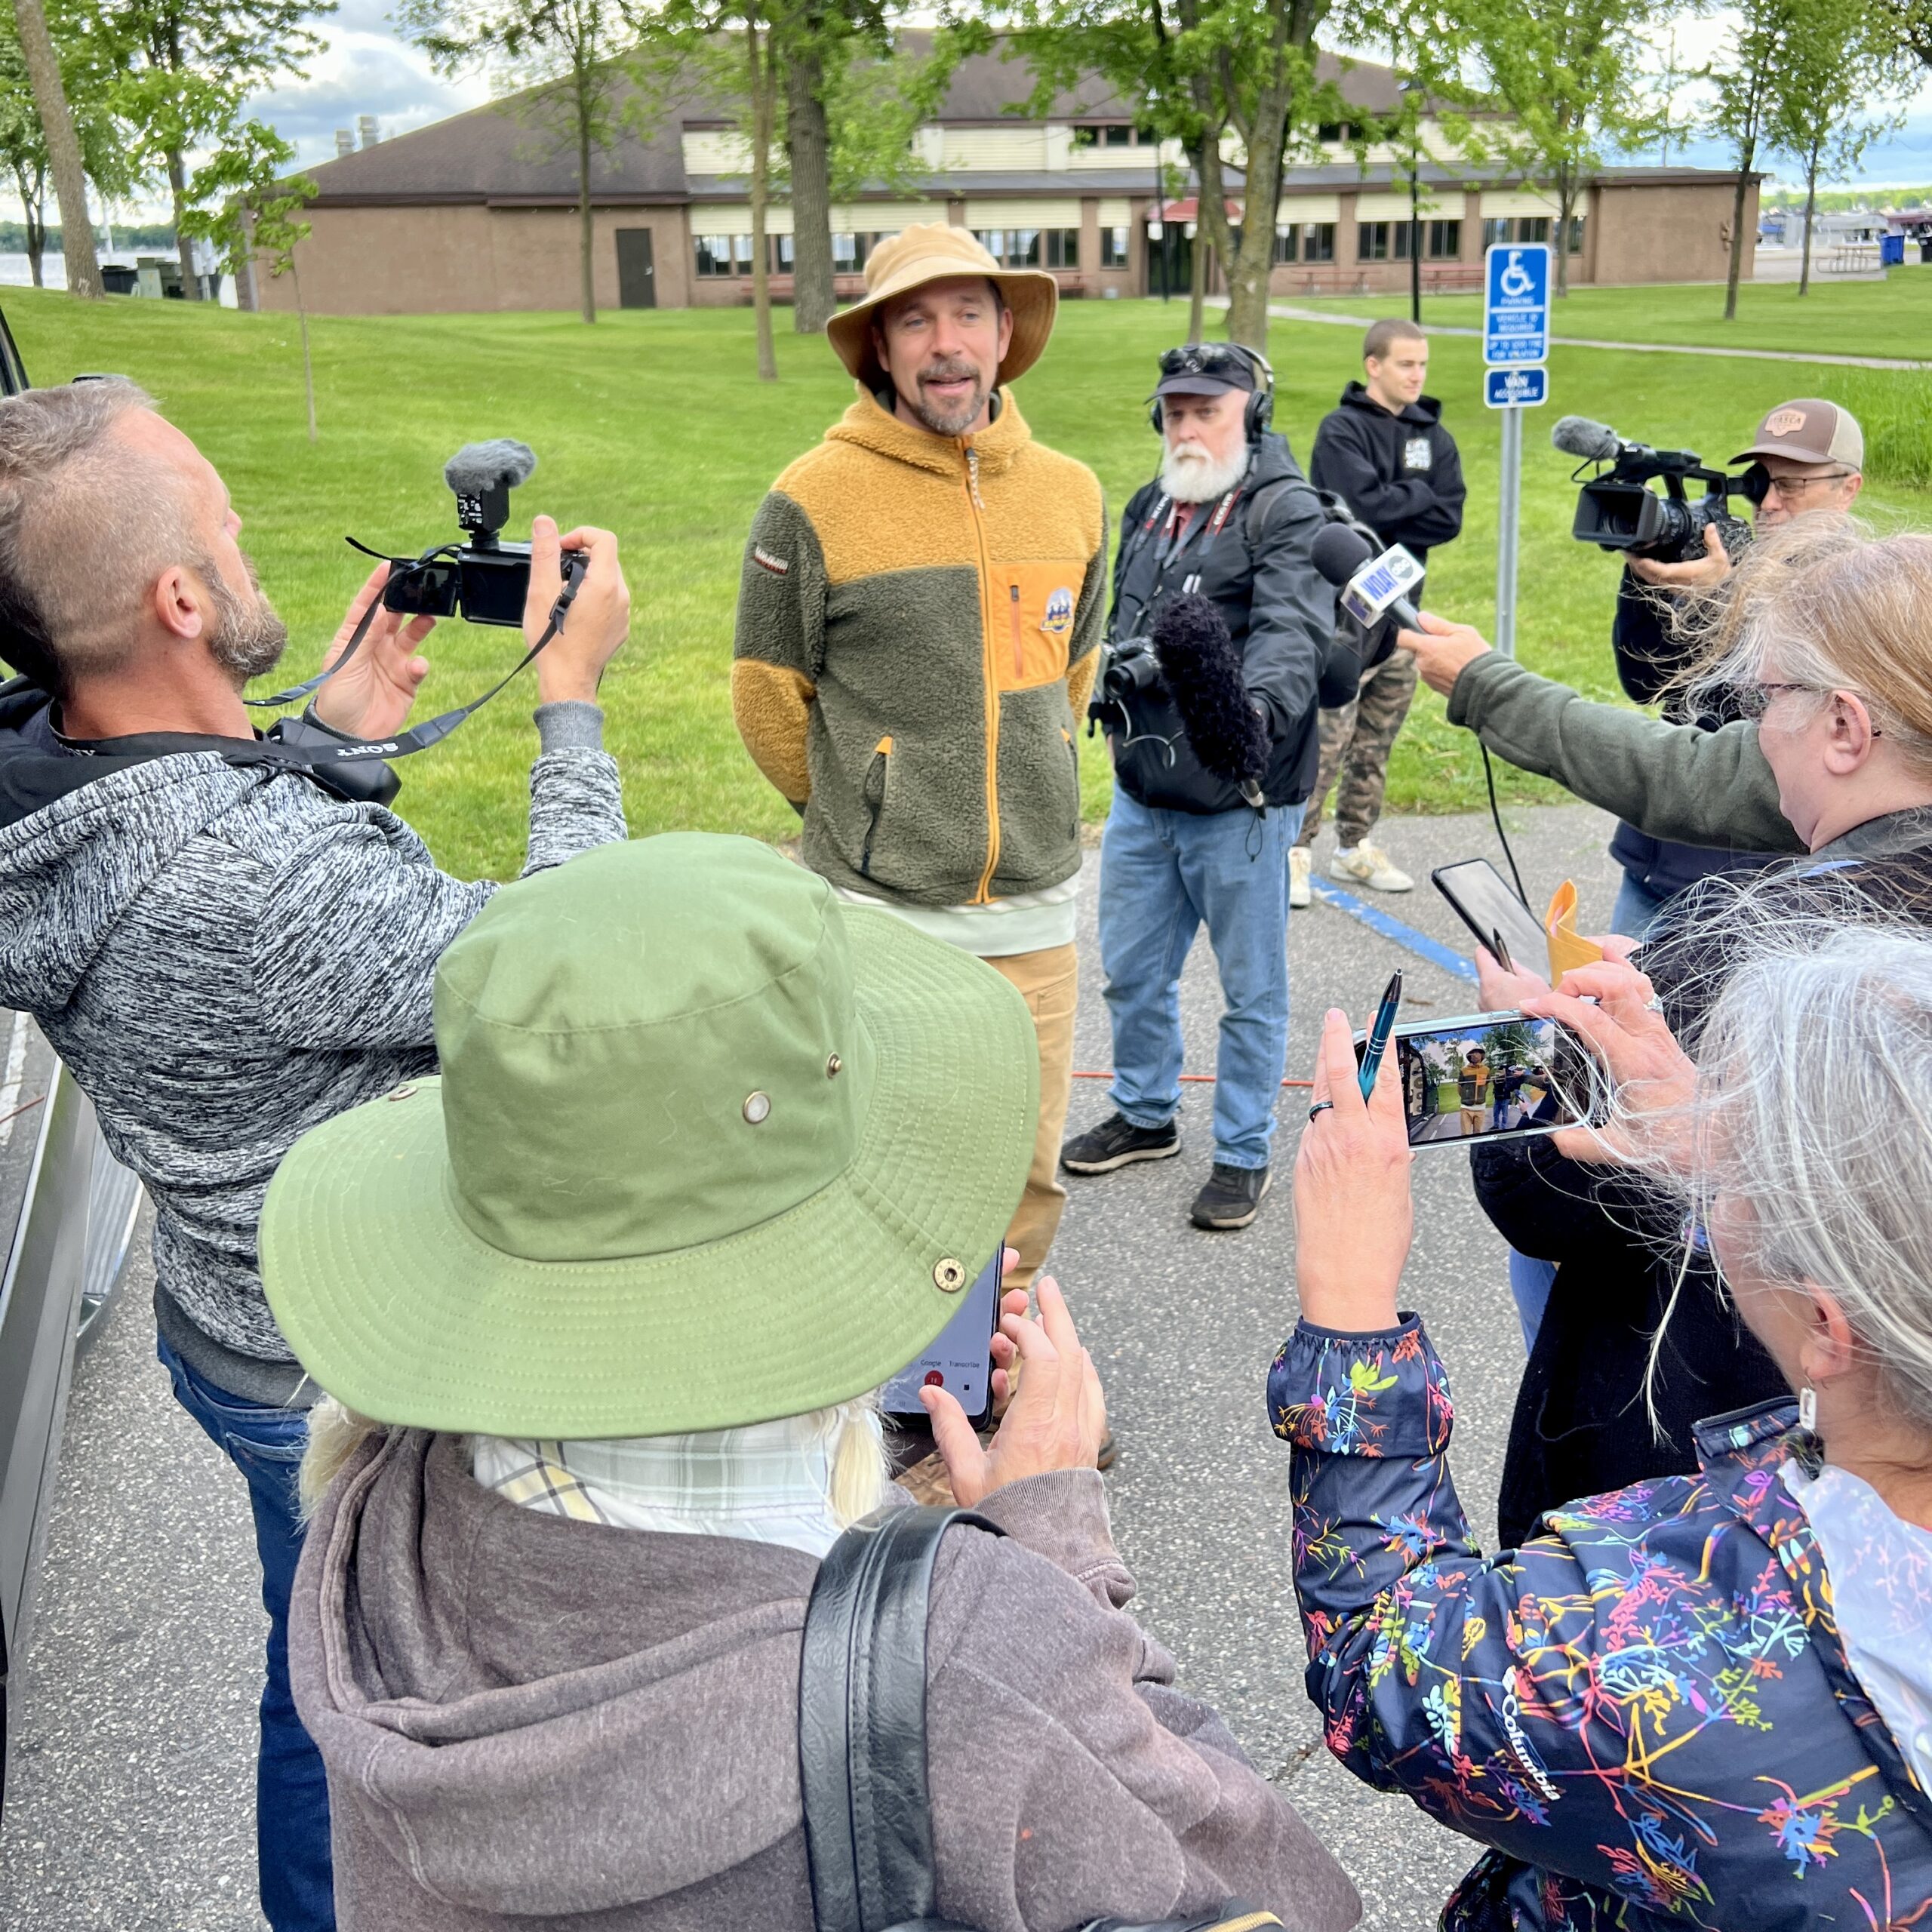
{"x":1810,"y":205}
{"x":184,"y":246}
{"x":307,"y":368}
{"x":1197,"y":288}
{"x":1566,"y":190}
{"x":762,"y":91}
{"x":63,"y":148}
{"x":1747,"y":153}
{"x":814,"y":300}
{"x":586,"y":287}
{"x":33,"y":205}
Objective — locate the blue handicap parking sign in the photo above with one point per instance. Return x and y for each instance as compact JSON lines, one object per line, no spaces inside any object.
{"x":1515,"y":389}
{"x":1516,"y":313}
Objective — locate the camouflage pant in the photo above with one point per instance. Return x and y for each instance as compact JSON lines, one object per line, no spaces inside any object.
{"x":1355,"y":743}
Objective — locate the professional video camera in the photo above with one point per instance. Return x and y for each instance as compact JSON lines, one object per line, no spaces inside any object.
{"x":1126,"y":669}
{"x":486,"y":580}
{"x":1618,"y":511}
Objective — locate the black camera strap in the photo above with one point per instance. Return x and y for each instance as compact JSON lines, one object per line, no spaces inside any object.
{"x":420,"y":737}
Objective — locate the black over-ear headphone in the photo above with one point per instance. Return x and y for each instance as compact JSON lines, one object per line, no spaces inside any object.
{"x":1198,"y":358}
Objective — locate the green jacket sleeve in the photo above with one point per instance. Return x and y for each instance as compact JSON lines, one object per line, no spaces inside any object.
{"x":1670,"y":781}
{"x":780,"y":643}
{"x":1089,"y":623}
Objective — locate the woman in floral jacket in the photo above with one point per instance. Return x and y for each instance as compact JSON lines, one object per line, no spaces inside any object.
{"x":1705,"y":1700}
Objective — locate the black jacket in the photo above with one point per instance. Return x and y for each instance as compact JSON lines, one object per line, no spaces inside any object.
{"x":1401,"y":475}
{"x":1648,"y":656}
{"x":1280,"y":612}
{"x":1580,"y":1426}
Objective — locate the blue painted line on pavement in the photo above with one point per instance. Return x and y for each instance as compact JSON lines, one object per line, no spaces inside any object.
{"x":1377,"y":921}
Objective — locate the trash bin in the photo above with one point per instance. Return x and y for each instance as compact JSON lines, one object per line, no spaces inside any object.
{"x":118,"y":278}
{"x":1891,"y":250}
{"x":1925,"y":251}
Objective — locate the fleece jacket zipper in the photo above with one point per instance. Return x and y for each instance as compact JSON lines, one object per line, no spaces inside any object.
{"x":989,"y":672}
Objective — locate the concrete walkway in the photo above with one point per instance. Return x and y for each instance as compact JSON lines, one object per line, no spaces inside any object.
{"x":1287,"y":311}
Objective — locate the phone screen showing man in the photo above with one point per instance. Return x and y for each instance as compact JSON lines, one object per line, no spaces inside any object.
{"x":960,"y":1359}
{"x":1493,"y":1076}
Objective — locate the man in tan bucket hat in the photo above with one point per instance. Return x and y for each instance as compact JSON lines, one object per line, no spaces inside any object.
{"x":918,"y":621}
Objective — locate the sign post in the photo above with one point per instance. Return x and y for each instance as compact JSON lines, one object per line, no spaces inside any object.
{"x":1515,"y":342}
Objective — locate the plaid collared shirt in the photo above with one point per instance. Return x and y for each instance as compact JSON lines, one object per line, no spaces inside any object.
{"x":769,"y":1482}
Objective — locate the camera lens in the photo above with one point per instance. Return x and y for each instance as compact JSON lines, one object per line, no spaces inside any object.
{"x":421,"y":590}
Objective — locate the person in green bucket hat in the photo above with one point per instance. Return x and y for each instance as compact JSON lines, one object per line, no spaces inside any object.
{"x":602,"y":1311}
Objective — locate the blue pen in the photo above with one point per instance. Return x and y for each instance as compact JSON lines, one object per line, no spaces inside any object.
{"x":1378,"y":1033}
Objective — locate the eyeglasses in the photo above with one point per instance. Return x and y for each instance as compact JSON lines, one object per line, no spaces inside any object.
{"x":1214,"y":358}
{"x":1761,"y":483}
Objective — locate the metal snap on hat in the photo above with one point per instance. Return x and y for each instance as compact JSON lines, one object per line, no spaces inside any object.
{"x":1809,"y":430}
{"x":634,"y":1204}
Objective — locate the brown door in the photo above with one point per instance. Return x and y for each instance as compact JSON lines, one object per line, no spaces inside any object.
{"x":637,"y":277}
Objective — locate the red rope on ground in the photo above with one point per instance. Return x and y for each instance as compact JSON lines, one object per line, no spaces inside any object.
{"x":1207,"y":1078}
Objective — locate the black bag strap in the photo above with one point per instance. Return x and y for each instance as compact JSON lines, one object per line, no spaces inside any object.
{"x":862,"y":1722}
{"x":862,"y":1736}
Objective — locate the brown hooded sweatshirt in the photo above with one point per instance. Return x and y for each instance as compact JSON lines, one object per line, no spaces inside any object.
{"x":532,"y":1722}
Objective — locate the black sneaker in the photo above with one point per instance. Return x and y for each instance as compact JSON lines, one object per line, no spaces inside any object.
{"x":1232,"y":1198}
{"x":1115,"y":1143}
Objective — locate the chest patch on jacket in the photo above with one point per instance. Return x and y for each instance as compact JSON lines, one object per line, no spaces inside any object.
{"x":1416,"y":453}
{"x":777,"y":566}
{"x":1059,"y":619}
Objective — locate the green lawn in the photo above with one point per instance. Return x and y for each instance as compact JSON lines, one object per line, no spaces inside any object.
{"x":1892,"y":318}
{"x":654,"y":425}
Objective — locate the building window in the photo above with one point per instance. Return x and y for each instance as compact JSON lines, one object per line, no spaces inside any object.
{"x":1372,"y":240}
{"x":1531,"y":228}
{"x":1064,"y":247}
{"x":724,"y":254}
{"x":849,"y":253}
{"x":1445,"y":241}
{"x":1284,"y":244}
{"x":1113,"y":247}
{"x":1576,"y":234}
{"x":781,"y":253}
{"x":1022,"y":247}
{"x":1117,"y":137}
{"x":1332,"y":131}
{"x":1318,"y":241}
{"x":1401,"y":237}
{"x":1110,"y":135}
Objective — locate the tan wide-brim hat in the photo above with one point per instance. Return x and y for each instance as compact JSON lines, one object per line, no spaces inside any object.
{"x":930,"y":251}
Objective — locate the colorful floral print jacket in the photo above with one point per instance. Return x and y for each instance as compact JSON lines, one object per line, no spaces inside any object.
{"x":1646,"y":1711}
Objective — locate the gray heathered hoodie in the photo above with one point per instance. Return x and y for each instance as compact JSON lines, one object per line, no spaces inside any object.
{"x":225,"y":957}
{"x":530,"y":1722}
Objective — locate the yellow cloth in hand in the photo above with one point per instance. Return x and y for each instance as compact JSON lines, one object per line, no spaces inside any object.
{"x":1568,"y":947}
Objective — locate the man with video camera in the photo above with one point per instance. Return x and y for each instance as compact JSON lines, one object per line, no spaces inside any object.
{"x":223,"y":949}
{"x":1807,"y":456}
{"x":1219,"y":634}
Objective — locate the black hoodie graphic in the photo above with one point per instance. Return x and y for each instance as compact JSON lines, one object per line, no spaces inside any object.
{"x":1401,"y":475}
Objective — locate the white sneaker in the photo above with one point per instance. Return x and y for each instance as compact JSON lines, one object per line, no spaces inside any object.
{"x":1368,"y":864}
{"x":1300,"y":862}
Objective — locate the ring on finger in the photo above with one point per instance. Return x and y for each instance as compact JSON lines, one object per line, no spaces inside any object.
{"x":1320,"y":1106}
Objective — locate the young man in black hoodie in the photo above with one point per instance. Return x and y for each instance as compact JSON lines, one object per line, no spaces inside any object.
{"x":1384,"y":451}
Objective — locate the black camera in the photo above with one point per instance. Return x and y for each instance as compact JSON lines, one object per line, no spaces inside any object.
{"x":1126,"y":669}
{"x":485,"y":581}
{"x":1617,"y":510}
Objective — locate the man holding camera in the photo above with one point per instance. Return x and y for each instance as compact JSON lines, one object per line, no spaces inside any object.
{"x":224,"y":949}
{"x":919,"y":617}
{"x":1385,"y":452}
{"x":1202,"y":822}
{"x":1808,"y":456}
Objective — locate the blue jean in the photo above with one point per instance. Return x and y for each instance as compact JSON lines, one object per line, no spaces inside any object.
{"x":1163,"y":874}
{"x":291,"y":1796}
{"x":1530,"y":1281}
{"x":1636,"y":906}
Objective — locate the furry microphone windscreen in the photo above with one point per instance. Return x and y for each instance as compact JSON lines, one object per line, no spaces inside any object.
{"x":1202,"y":671}
{"x":477,"y":467}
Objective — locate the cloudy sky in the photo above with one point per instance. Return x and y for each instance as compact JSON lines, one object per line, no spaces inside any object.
{"x":369,"y":70}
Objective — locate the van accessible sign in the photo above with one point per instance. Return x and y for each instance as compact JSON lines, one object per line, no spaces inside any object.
{"x":1515,"y":389}
{"x":1515,"y":325}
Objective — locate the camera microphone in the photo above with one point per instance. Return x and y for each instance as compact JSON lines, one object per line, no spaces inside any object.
{"x":479,"y":466}
{"x":1372,"y":587}
{"x":1589,"y":441}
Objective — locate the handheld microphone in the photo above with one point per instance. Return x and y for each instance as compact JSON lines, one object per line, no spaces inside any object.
{"x":1588,"y":441}
{"x":1371,"y":587}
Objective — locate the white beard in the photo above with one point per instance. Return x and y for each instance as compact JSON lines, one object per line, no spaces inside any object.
{"x":1190,"y":475}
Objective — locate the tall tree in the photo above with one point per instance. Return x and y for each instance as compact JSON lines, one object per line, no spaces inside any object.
{"x":760,"y":121}
{"x":1744,"y":77}
{"x":42,"y":62}
{"x":1840,"y":85}
{"x":564,"y":58}
{"x":191,"y":64}
{"x":1567,"y":73}
{"x":808,"y":147}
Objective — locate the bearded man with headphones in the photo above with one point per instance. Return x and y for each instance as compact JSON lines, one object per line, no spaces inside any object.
{"x":1230,"y":519}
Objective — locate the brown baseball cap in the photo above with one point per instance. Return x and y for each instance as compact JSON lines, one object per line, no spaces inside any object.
{"x":1810,"y":430}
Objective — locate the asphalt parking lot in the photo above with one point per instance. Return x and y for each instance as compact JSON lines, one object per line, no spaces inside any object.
{"x":130,"y":1801}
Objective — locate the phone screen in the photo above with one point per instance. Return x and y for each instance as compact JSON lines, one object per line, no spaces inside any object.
{"x":1488,"y":908}
{"x":960,"y":1358}
{"x":1493,"y":1076}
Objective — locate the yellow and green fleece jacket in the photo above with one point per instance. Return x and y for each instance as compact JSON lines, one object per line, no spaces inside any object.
{"x":918,"y":622}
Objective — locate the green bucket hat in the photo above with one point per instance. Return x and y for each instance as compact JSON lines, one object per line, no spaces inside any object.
{"x":708,"y":1147}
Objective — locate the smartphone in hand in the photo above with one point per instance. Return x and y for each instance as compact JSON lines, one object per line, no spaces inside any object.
{"x":960,"y":1358}
{"x":1493,"y":1076}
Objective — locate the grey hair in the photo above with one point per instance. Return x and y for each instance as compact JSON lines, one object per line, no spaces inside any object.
{"x":1812,"y":1123}
{"x":86,"y":524}
{"x":1824,"y":604}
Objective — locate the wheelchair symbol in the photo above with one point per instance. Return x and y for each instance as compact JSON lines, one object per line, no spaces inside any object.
{"x":1516,"y":281}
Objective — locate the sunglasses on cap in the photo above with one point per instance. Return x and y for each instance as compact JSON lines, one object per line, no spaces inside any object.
{"x":1223,"y":359}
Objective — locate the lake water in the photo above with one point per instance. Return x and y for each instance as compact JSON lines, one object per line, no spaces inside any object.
{"x":16,"y":271}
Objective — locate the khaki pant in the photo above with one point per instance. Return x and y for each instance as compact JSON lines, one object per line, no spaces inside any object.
{"x":1355,"y":740}
{"x":1050,"y":981}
